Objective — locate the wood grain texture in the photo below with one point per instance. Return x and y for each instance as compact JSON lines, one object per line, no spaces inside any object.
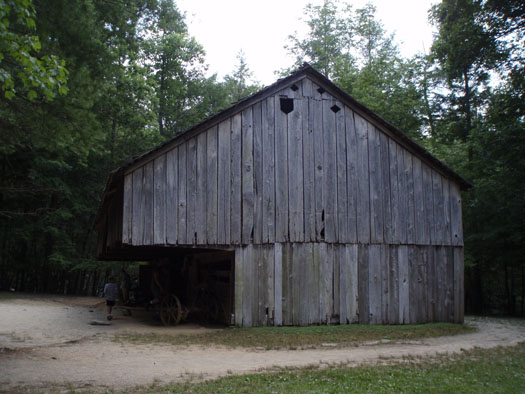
{"x":459,"y":286}
{"x":429,"y":228}
{"x":446,"y":213}
{"x":268,"y":142}
{"x":147,"y":204}
{"x":317,"y":113}
{"x":421,"y":231}
{"x":182,"y":208}
{"x":159,"y":200}
{"x":351,"y":173}
{"x":235,"y":179}
{"x":385,"y":189}
{"x":404,"y":284}
{"x":281,"y":174}
{"x":238,"y":292}
{"x":278,"y":284}
{"x":374,"y":283}
{"x":200,"y":207}
{"x":127,"y":214}
{"x":258,"y":173}
{"x":172,"y":198}
{"x":191,"y":192}
{"x":438,"y":223}
{"x":411,"y":205}
{"x":341,"y":169}
{"x":248,"y":285}
{"x":330,"y":172}
{"x":397,"y":187}
{"x":295,"y":171}
{"x":363,"y":182}
{"x":364,"y":297}
{"x":456,"y":223}
{"x":211,"y":186}
{"x":309,"y":170}
{"x":247,"y":176}
{"x":224,"y":182}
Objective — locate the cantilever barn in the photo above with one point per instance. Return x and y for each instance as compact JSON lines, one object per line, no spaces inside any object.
{"x":296,"y":206}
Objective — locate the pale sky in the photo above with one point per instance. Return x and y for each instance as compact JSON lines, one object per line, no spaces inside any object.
{"x":261,"y":30}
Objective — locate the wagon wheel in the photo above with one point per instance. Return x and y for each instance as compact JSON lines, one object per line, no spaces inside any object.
{"x":170,"y":310}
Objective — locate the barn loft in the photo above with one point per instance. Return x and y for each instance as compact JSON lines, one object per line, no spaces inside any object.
{"x":302,"y":207}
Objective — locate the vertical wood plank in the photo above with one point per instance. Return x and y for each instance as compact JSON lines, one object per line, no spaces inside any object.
{"x":363,"y":183}
{"x":364,"y":298}
{"x":351,"y":172}
{"x":309,"y":304}
{"x":224,"y":163}
{"x":459,"y":296}
{"x":235,"y":166}
{"x":266,"y":285}
{"x":385,"y":284}
{"x":211,"y":185}
{"x":344,"y":282}
{"x":352,"y":295}
{"x":385,"y":190}
{"x":247,"y":176}
{"x":396,"y":188}
{"x":336,"y":289}
{"x":330,"y":172}
{"x":413,"y":282}
{"x":182,"y":208}
{"x":393,"y":286}
{"x":456,"y":223}
{"x":411,"y":206}
{"x":404,"y":284}
{"x":278,"y":287}
{"x":433,"y":296}
{"x":127,"y":213}
{"x":191,"y":199}
{"x":147,"y":204}
{"x":200,"y":208}
{"x":316,"y":109}
{"x":281,"y":174}
{"x":255,"y":299}
{"x":438,"y":209}
{"x":429,"y":234}
{"x":172,"y":198}
{"x":376,"y":185}
{"x":446,"y":213}
{"x":238,"y":296}
{"x":450,"y":308}
{"x":324,"y":289}
{"x":295,"y":171}
{"x":422,"y":301}
{"x":421,"y":230}
{"x":287,"y":282}
{"x":342,"y":193}
{"x":374,"y":283}
{"x":316,"y":292}
{"x":258,"y":173}
{"x":159,"y":200}
{"x":309,"y":170}
{"x":248,"y":285}
{"x":136,"y":236}
{"x":268,"y":135}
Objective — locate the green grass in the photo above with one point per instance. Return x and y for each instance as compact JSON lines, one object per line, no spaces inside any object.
{"x":498,"y":370}
{"x":302,"y":337}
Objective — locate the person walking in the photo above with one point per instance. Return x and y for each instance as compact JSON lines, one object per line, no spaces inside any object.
{"x":111,"y":294}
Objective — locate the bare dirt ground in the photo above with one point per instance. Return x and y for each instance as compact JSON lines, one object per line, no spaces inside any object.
{"x":47,"y":342}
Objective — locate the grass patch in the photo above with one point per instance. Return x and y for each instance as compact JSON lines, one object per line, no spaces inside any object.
{"x":293,"y":338}
{"x":497,"y":370}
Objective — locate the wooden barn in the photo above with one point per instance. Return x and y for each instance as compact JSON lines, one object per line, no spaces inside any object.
{"x":296,"y":206}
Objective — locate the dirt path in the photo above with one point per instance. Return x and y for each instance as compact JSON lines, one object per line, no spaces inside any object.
{"x":51,"y":343}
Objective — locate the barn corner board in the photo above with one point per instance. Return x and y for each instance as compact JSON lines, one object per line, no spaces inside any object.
{"x":318,"y":210}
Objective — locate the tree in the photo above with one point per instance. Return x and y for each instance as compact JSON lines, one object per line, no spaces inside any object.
{"x":239,"y":83}
{"x":22,"y":70}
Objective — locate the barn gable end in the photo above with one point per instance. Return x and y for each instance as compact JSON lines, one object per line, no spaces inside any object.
{"x":333,"y":214}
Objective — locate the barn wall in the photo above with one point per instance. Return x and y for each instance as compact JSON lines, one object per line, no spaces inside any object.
{"x":313,"y":175}
{"x":305,"y":283}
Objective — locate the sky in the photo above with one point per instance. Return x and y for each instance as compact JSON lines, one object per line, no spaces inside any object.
{"x":261,"y":29}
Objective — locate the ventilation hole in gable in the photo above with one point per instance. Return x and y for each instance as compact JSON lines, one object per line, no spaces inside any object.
{"x":286,"y":105}
{"x":321,"y":90}
{"x":294,"y":87}
{"x":335,"y":108}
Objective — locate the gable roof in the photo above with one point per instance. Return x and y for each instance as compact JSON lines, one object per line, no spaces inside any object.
{"x":304,"y":71}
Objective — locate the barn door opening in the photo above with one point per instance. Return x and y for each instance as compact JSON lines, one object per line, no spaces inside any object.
{"x":209,"y":287}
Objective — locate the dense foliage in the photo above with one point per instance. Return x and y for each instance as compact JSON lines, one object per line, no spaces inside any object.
{"x":86,"y":85}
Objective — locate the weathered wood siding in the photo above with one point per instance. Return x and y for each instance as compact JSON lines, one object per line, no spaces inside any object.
{"x":321,"y":173}
{"x":320,"y":283}
{"x":333,"y":220}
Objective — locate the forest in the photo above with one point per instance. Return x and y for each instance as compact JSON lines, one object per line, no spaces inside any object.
{"x":86,"y":85}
